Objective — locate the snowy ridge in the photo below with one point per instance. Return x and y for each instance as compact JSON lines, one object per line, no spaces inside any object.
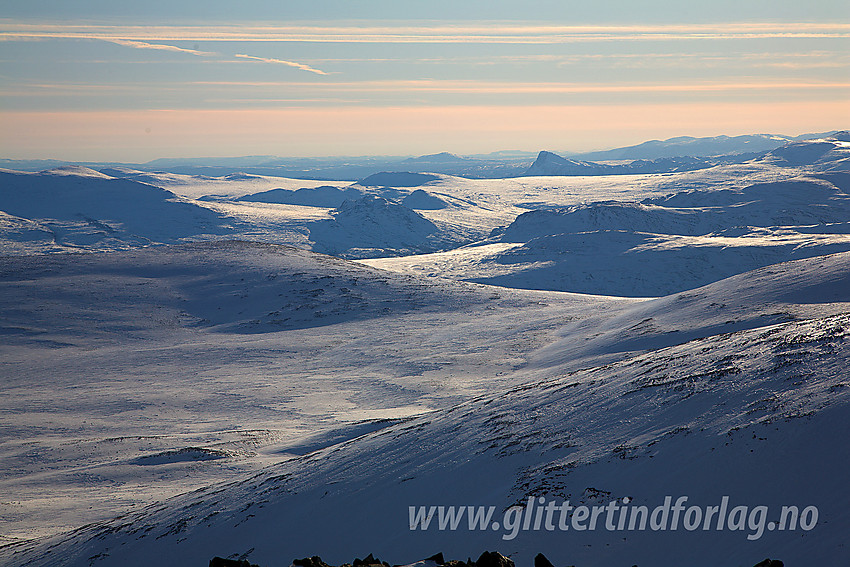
{"x":732,"y":231}
{"x":78,"y":209}
{"x":635,"y":264}
{"x":214,"y":188}
{"x":829,"y":153}
{"x":75,"y":171}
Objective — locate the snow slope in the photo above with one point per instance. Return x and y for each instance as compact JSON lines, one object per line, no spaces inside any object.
{"x":795,"y":291}
{"x":757,"y":415}
{"x":255,"y":351}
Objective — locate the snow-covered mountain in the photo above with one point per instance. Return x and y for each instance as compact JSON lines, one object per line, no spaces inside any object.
{"x":698,"y":147}
{"x":421,"y":199}
{"x":326,"y":196}
{"x":548,"y":163}
{"x":828,"y":154}
{"x":75,"y":207}
{"x":364,"y":227}
{"x":687,"y":154}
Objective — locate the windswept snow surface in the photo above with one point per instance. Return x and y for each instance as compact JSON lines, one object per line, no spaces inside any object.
{"x":203,"y":382}
{"x":256,"y":351}
{"x":757,"y":415}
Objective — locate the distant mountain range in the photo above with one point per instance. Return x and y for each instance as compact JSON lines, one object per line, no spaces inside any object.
{"x":676,"y":154}
{"x":698,"y":147}
{"x":548,"y":163}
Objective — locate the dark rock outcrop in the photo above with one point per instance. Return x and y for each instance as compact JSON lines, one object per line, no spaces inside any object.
{"x":493,"y":559}
{"x":369,"y":561}
{"x":222,"y":562}
{"x":487,"y":559}
{"x":314,"y":561}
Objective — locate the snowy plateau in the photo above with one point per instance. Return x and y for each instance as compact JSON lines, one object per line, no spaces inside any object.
{"x":269,"y":368}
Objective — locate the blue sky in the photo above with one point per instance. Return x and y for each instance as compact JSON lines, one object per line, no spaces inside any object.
{"x":101,"y":80}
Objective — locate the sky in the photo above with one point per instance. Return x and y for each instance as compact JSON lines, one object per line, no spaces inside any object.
{"x":96,"y":80}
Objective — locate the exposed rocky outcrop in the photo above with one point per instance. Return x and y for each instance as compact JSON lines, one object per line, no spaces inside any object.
{"x":486,"y":559}
{"x":221,"y":562}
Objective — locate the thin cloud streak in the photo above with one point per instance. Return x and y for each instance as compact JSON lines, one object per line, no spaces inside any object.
{"x":174,"y":49}
{"x":364,"y":93}
{"x":595,"y":57}
{"x":301,"y":66}
{"x":481,"y":33}
{"x":505,"y":87}
{"x":159,"y":47}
